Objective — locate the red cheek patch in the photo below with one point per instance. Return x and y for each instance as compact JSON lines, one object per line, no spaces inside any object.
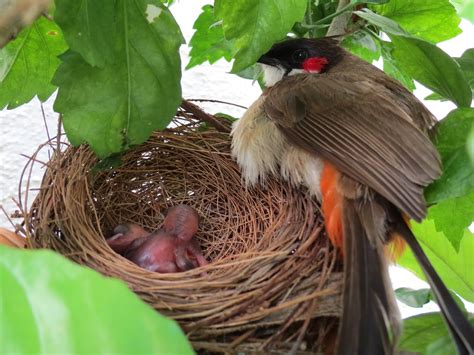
{"x":315,"y":64}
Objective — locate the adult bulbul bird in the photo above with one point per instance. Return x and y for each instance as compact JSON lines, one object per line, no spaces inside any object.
{"x":359,"y":141}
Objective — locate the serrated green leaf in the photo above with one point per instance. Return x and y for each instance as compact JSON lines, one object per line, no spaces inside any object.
{"x":51,"y":305}
{"x":120,"y":104}
{"x":453,"y":217}
{"x":208,"y":42}
{"x":455,"y":269}
{"x":362,"y":45}
{"x":89,"y":28}
{"x":451,"y":141}
{"x":413,"y":298}
{"x":432,"y":67}
{"x":434,"y":20}
{"x":256,"y":24}
{"x":28,"y":63}
{"x":421,"y":330}
{"x":391,"y":67}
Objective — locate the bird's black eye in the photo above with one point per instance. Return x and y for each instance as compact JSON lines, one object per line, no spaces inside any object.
{"x":299,"y":55}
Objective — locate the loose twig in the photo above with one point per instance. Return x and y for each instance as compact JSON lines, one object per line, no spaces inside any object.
{"x":205,"y":117}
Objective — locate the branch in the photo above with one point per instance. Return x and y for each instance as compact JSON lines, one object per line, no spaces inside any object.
{"x":17,"y":14}
{"x":338,"y":24}
{"x":199,"y":114}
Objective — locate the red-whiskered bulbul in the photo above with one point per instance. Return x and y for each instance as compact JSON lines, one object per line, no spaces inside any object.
{"x":359,"y":141}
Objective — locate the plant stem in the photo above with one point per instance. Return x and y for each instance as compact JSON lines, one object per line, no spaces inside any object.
{"x":341,"y":17}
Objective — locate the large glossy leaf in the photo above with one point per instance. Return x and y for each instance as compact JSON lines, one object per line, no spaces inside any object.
{"x":423,"y":61}
{"x":451,"y":141}
{"x":434,"y":20}
{"x":455,"y":269}
{"x":89,"y":28}
{"x":422,"y":330}
{"x":121,"y":103}
{"x":256,"y":24}
{"x":433,"y":68}
{"x":28,"y":63}
{"x":453,"y":217}
{"x":208,"y":42}
{"x":51,"y":306}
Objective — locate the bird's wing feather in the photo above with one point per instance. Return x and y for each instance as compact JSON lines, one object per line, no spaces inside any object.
{"x":356,"y":124}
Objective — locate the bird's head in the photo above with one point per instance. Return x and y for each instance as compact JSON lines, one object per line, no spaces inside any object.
{"x":296,"y":56}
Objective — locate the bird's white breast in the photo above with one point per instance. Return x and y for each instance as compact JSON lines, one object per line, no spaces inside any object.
{"x":261,"y":150}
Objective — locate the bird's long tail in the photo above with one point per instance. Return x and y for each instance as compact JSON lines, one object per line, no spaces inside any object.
{"x":370,"y":321}
{"x":458,"y":325}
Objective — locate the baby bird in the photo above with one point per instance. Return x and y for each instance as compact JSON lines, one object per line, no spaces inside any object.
{"x":169,"y":249}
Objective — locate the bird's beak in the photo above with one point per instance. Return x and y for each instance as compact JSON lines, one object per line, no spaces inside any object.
{"x":265,"y":59}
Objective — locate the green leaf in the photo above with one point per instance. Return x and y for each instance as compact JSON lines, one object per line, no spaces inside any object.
{"x":470,"y":146}
{"x":392,"y":68}
{"x":254,"y":73}
{"x":421,"y":330}
{"x":435,"y":96}
{"x":384,"y":23}
{"x":451,"y":141}
{"x":362,"y":45}
{"x":453,"y":217}
{"x":208,"y":42}
{"x":465,"y":8}
{"x":455,"y":269}
{"x":89,"y":28}
{"x":432,"y":67}
{"x":28,"y":63}
{"x":434,"y":20}
{"x":51,"y":305}
{"x":121,"y":103}
{"x":466,"y":62}
{"x":413,"y":298}
{"x":256,"y":24}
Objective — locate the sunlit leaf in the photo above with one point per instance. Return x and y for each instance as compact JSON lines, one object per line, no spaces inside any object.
{"x":451,"y":141}
{"x":53,"y":306}
{"x":256,"y":24}
{"x":208,"y":42}
{"x":453,"y":217}
{"x":434,"y":20}
{"x":455,"y":269}
{"x":28,"y":63}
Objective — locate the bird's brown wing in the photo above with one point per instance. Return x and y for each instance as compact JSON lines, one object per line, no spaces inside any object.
{"x":357,"y":125}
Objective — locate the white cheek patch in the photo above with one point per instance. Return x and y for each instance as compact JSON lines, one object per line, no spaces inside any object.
{"x":298,"y":71}
{"x":271,"y":74}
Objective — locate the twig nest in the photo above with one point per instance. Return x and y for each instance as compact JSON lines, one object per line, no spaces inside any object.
{"x":272,"y":283}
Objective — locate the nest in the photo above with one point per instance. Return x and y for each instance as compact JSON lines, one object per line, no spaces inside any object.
{"x":273,"y":283}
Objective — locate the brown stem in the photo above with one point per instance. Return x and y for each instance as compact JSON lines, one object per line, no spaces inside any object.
{"x":199,"y":114}
{"x":338,"y":24}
